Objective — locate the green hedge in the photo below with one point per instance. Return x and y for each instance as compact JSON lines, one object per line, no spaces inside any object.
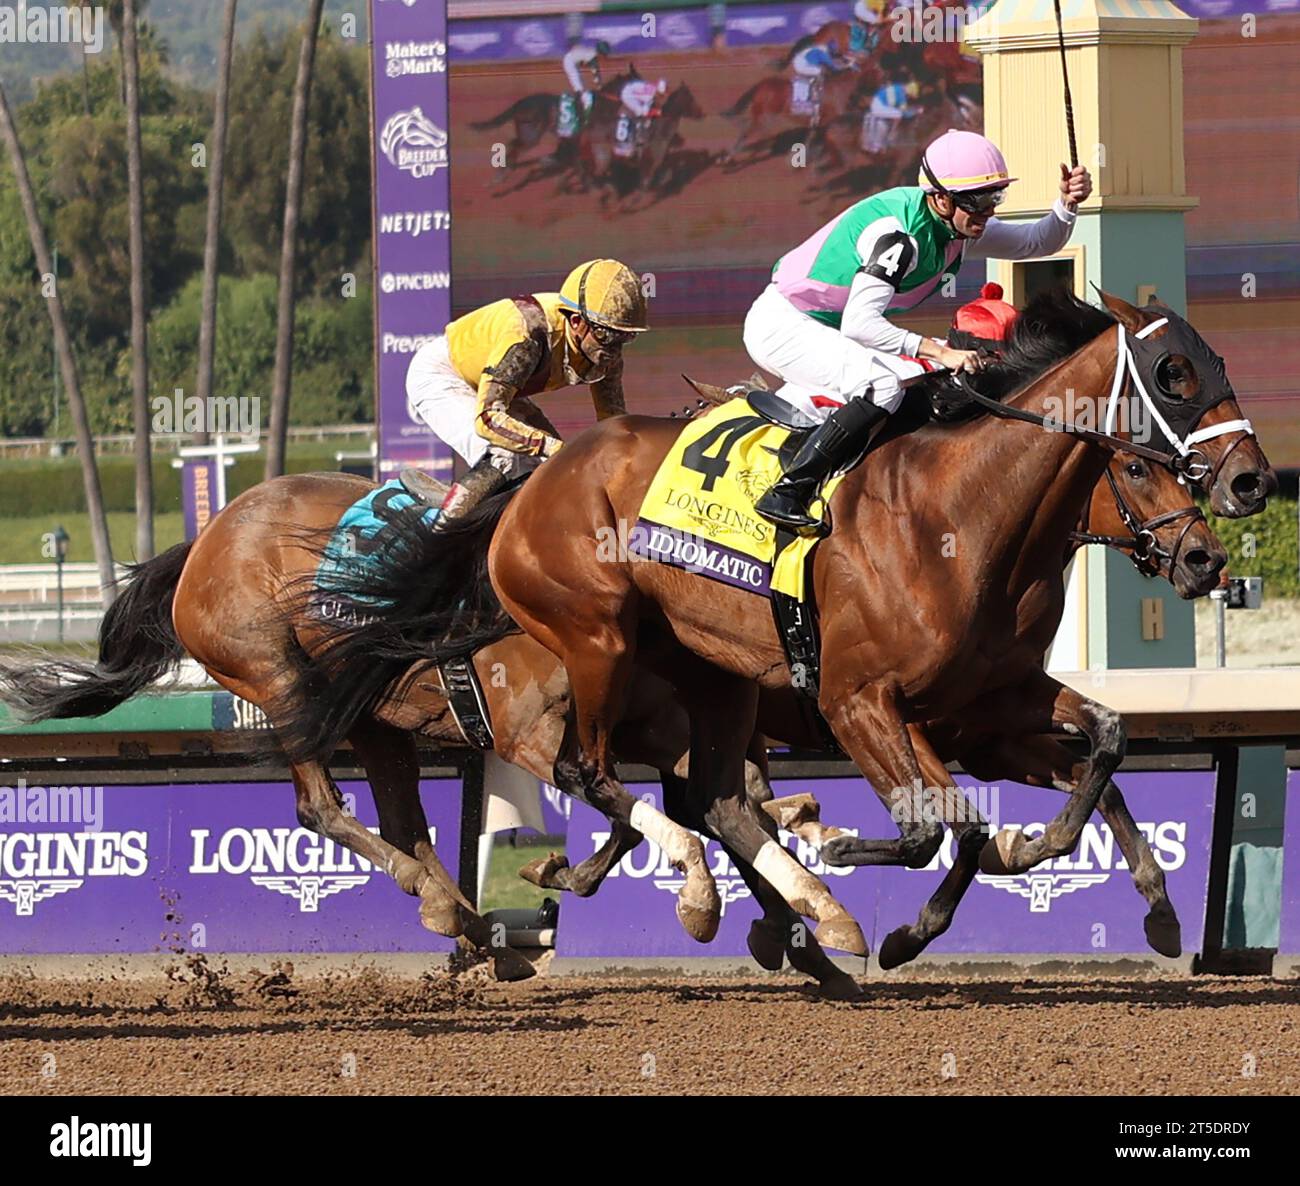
{"x":54,"y":487}
{"x":1265,"y":546}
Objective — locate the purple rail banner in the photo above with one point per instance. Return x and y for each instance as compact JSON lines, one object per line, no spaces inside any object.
{"x":198,"y":493}
{"x":1080,"y":904}
{"x":223,"y":867}
{"x":411,"y":162}
{"x":1288,"y":939}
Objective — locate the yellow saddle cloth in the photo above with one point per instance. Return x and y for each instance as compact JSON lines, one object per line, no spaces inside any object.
{"x":699,"y":511}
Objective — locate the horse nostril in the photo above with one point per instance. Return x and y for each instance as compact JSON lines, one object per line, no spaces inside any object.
{"x":1248,"y":486}
{"x":1197,"y":559}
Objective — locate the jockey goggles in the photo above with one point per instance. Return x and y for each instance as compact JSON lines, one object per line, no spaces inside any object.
{"x":980,"y":201}
{"x":607,"y":336}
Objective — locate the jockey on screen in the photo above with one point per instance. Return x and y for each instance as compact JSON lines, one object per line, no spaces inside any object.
{"x":471,"y":383}
{"x":816,"y":60}
{"x":639,"y":96}
{"x":583,"y":54}
{"x":821,"y":324}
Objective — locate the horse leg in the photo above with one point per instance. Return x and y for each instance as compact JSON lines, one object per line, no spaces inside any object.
{"x":970,"y":831}
{"x":869,"y":727}
{"x":780,"y":932}
{"x":1043,"y":703}
{"x":722,"y":709}
{"x":1044,"y":761}
{"x":392,"y":765}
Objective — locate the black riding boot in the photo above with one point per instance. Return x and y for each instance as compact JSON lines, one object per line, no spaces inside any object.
{"x":845,"y":434}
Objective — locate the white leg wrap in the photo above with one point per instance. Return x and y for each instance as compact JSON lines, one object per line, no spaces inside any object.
{"x":794,"y":883}
{"x":658,"y":827}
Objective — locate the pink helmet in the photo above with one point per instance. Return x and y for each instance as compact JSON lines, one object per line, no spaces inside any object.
{"x":961,"y":162}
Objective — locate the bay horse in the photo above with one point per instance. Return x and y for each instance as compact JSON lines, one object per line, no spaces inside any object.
{"x":911,"y":633}
{"x":156,"y":621}
{"x":764,"y":111}
{"x":845,"y":34}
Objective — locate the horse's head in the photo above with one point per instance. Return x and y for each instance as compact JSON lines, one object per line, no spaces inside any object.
{"x":1162,"y":529}
{"x":682,"y":103}
{"x":1187,"y":388}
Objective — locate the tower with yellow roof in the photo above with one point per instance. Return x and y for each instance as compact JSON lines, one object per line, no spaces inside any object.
{"x":1124,"y":59}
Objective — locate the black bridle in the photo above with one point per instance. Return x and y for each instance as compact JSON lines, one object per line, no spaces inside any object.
{"x":1142,"y":543}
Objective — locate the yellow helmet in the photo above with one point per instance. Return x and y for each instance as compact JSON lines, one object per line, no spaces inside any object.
{"x":606,"y":293}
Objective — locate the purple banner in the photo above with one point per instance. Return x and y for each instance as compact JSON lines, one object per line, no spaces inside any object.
{"x":222,"y":867}
{"x":633,"y":912}
{"x":1081,"y":904}
{"x":1084,"y":903}
{"x":412,"y":216}
{"x":198,"y":494}
{"x":1288,"y":939}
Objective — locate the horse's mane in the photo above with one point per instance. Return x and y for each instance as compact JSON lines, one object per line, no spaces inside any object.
{"x":1053,"y":326}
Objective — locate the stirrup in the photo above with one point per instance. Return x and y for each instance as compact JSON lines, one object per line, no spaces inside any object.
{"x":423,"y":488}
{"x":791,"y":511}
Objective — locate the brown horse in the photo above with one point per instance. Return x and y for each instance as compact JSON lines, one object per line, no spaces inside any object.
{"x":912,"y":633}
{"x":764,"y":112}
{"x":248,"y":540}
{"x":617,"y":177}
{"x":854,"y":41}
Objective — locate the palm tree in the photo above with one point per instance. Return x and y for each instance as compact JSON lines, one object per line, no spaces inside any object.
{"x":63,"y":347}
{"x":211,"y":243}
{"x":289,"y":247}
{"x":139,"y":310}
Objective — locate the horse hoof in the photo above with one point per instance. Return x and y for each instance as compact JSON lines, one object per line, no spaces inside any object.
{"x":441,"y":915}
{"x":900,"y":947}
{"x":508,"y":966}
{"x":544,"y":872}
{"x":997,"y":857}
{"x":842,"y":934}
{"x":699,"y":909}
{"x":767,"y":948}
{"x":1164,"y":934}
{"x":839,"y":851}
{"x":841,"y":988}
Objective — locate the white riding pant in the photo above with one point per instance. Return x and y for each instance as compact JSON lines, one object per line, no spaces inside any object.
{"x":437,"y":395}
{"x":882,"y":126}
{"x":818,"y":362}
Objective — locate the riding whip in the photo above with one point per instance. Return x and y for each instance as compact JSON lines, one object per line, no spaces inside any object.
{"x":1065,"y":78}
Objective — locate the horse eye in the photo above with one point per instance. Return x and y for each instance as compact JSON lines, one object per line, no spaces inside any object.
{"x":1134,"y":469}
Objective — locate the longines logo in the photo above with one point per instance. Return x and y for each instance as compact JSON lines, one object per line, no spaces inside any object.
{"x":1092,"y":864}
{"x":294,"y":862}
{"x":38,"y":866}
{"x":648,"y":862}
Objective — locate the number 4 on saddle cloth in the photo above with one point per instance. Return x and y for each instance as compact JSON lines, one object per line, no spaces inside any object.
{"x":698,"y":515}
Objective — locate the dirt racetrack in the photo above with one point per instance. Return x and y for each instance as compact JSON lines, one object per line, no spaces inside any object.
{"x":374,"y":1033}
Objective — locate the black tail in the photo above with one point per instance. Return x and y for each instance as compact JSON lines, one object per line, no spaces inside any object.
{"x":137,"y":645}
{"x":741,"y":105}
{"x":429,"y":601}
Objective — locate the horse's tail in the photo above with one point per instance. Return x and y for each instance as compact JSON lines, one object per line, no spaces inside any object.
{"x":798,"y":47}
{"x":137,"y":645}
{"x":504,"y":117}
{"x":741,"y":105}
{"x":429,"y":601}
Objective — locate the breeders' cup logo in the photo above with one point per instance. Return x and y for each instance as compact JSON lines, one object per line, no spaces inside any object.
{"x":677,"y":30}
{"x":294,"y":862}
{"x":38,"y":866}
{"x":533,"y":39}
{"x":649,"y":862}
{"x":815,"y":18}
{"x":1092,"y":864}
{"x":414,"y":143}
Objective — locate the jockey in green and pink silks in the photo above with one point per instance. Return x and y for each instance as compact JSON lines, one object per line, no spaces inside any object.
{"x":822,"y":324}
